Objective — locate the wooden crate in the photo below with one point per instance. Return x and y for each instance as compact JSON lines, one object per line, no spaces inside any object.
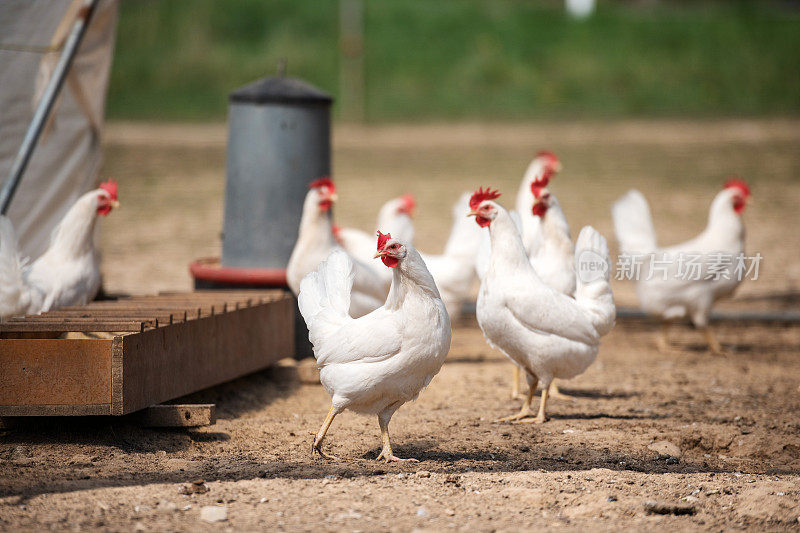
{"x":119,"y":356}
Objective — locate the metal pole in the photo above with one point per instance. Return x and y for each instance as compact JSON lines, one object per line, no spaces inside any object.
{"x":351,"y":45}
{"x":46,"y":104}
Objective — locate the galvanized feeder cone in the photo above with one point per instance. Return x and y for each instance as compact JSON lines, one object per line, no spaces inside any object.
{"x":278,"y":142}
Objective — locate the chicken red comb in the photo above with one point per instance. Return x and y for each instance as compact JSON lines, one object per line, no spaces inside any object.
{"x":548,"y":154}
{"x":738,"y":183}
{"x":409,"y":204}
{"x":324,"y":181}
{"x":383,"y":239}
{"x":480,"y":195}
{"x":110,"y":187}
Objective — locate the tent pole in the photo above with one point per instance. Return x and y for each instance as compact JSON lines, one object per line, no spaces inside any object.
{"x":46,"y":104}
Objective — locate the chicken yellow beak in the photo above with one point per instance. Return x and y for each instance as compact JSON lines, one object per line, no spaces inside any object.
{"x":472,"y":213}
{"x":333,"y":197}
{"x":558,"y":166}
{"x":115,"y":204}
{"x":380,"y":253}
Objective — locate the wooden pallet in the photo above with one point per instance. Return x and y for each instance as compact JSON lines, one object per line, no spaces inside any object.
{"x":119,"y":356}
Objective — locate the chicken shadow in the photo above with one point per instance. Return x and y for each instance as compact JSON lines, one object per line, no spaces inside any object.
{"x":595,"y":416}
{"x":517,"y":455}
{"x":596,"y":394}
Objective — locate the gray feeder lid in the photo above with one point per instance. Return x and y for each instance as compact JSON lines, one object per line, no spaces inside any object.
{"x":280,"y":90}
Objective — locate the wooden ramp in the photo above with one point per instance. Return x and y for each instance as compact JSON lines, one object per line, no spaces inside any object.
{"x":119,"y":356}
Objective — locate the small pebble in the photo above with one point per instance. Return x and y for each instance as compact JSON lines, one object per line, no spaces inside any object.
{"x":213,"y":513}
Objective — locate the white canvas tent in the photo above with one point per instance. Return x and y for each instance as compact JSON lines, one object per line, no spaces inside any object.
{"x":66,"y":161}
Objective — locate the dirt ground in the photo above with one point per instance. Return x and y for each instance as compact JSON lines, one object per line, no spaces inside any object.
{"x":718,"y":437}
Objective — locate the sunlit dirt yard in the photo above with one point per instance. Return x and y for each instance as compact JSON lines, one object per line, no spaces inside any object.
{"x":718,"y":437}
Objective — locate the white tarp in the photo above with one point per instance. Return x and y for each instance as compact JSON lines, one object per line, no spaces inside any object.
{"x":66,"y":161}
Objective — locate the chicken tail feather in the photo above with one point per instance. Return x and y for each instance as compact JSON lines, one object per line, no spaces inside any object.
{"x":593,"y":271}
{"x":324,"y":296}
{"x":633,"y":224}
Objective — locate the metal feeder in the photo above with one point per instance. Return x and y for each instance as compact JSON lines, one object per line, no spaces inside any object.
{"x":278,"y":142}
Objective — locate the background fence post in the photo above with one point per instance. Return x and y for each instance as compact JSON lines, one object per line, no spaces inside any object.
{"x":351,"y":45}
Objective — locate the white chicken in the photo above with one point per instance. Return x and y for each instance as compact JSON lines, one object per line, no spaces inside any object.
{"x":454,"y":269}
{"x":376,"y":363}
{"x":539,"y":173}
{"x":315,"y":241}
{"x":394,"y":217}
{"x":552,"y":256}
{"x":688,"y":278}
{"x":68,"y":272}
{"x":545,"y":332}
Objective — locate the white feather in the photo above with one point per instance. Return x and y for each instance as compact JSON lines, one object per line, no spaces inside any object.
{"x":633,"y":224}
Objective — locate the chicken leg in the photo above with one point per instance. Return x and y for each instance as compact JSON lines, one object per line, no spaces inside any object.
{"x":713,"y":344}
{"x":386,"y":451}
{"x":317,"y":446}
{"x":515,"y":383}
{"x":554,"y":392}
{"x":557,"y":394}
{"x":662,"y":341}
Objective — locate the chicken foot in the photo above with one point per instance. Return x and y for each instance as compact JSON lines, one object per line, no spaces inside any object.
{"x":541,"y":417}
{"x":317,"y":446}
{"x":526,"y":411}
{"x":386,"y":451}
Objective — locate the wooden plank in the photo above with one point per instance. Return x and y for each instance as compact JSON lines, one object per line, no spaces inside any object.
{"x":117,"y":377}
{"x":48,"y":372}
{"x":104,"y":325}
{"x":178,"y":415}
{"x":55,"y":410}
{"x":166,"y":363}
{"x":126,"y":313}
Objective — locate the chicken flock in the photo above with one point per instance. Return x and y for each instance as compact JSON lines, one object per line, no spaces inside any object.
{"x":381,"y":330}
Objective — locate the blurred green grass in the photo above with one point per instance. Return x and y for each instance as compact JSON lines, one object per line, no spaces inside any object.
{"x":467,"y":59}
